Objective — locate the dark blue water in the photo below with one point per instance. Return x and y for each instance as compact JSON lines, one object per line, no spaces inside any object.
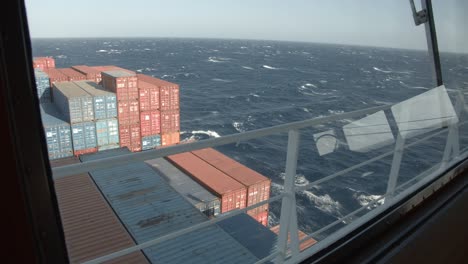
{"x":230,"y":86}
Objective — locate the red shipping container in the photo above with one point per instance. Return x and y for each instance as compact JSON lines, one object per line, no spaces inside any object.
{"x":111,"y":68}
{"x":168,"y":139}
{"x":149,"y":96}
{"x":72,"y":74}
{"x":84,"y":151}
{"x":43,"y":63}
{"x":130,"y":137}
{"x":55,"y":76}
{"x":122,"y":83}
{"x":231,"y":192}
{"x":258,"y":186}
{"x":91,"y":73}
{"x":128,"y":112}
{"x":261,"y":217}
{"x":170,"y":121}
{"x":150,"y":123}
{"x":169,"y":92}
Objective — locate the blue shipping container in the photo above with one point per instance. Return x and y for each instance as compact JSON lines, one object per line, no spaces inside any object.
{"x":43,"y":86}
{"x":84,"y":135}
{"x":57,"y":133}
{"x":150,"y":142}
{"x":105,"y":102}
{"x":75,"y":103}
{"x":107,"y":132}
{"x":150,"y":208}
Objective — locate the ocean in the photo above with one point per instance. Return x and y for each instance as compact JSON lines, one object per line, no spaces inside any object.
{"x":232,"y":86}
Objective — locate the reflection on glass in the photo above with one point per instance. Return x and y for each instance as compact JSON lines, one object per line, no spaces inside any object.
{"x":368,"y":133}
{"x":326,"y":142}
{"x":423,"y":113}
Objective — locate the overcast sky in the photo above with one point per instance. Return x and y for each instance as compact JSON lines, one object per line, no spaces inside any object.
{"x":386,"y":23}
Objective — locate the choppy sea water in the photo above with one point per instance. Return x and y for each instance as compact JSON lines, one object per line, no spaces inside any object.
{"x":232,"y":86}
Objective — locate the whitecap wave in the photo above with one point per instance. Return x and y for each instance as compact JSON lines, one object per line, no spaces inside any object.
{"x":166,"y":75}
{"x":335,"y":112}
{"x":221,"y":80}
{"x":254,"y":95}
{"x":213,"y":59}
{"x":102,"y":50}
{"x":270,"y":67}
{"x":365,"y":200}
{"x":61,"y":56}
{"x":218,"y":59}
{"x":380,"y":70}
{"x":300,"y":179}
{"x":210,"y":133}
{"x":367,"y":173}
{"x":239,"y":126}
{"x":311,"y":85}
{"x":247,"y":67}
{"x":139,"y":70}
{"x":323,"y":81}
{"x":324,"y":202}
{"x":413,"y":87}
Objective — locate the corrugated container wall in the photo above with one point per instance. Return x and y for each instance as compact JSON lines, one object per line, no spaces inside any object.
{"x":150,"y":123}
{"x":123,"y":83}
{"x":149,"y":96}
{"x":129,"y":136}
{"x":128,"y":112}
{"x":57,"y":132}
{"x":43,"y":86}
{"x":43,"y":63}
{"x":107,"y":133}
{"x":170,"y":121}
{"x":232,"y":193}
{"x":192,"y":191}
{"x":55,"y":76}
{"x":105,"y":102}
{"x":258,"y":186}
{"x":91,"y":73}
{"x":168,"y":93}
{"x":72,"y":74}
{"x":168,"y":139}
{"x":73,"y":102}
{"x":84,"y":137}
{"x":150,"y":142}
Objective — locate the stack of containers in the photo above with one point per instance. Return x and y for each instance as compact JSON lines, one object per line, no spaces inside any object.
{"x":55,"y":76}
{"x":124,"y":84}
{"x":150,"y":118}
{"x":105,"y":115}
{"x":72,"y":75}
{"x":91,"y":73}
{"x":169,"y":109}
{"x":43,"y":63}
{"x":43,"y":86}
{"x":57,"y":132}
{"x":77,"y":106}
{"x":257,"y":185}
{"x":231,"y":192}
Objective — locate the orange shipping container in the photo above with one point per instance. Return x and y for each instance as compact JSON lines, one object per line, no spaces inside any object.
{"x":168,"y":139}
{"x":91,"y":73}
{"x":168,"y":93}
{"x":231,"y":192}
{"x":130,"y":137}
{"x":72,"y":74}
{"x":55,"y":76}
{"x":149,"y":96}
{"x":122,"y":83}
{"x":170,"y":121}
{"x":258,"y":186}
{"x":150,"y":123}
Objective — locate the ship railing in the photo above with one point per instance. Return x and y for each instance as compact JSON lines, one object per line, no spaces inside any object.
{"x":289,"y":252}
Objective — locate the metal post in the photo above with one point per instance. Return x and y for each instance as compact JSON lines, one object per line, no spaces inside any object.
{"x":395,"y":170}
{"x":431,"y":37}
{"x":288,"y":218}
{"x":452,"y":147}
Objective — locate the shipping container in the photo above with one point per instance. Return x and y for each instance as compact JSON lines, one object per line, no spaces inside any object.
{"x":170,"y":121}
{"x":169,"y":139}
{"x":111,"y":68}
{"x":149,"y":96}
{"x":150,"y":142}
{"x":83,"y":137}
{"x":150,"y":123}
{"x":258,"y":186}
{"x":107,"y":133}
{"x":123,"y":83}
{"x":72,"y":74}
{"x":91,"y":73}
{"x":231,"y":192}
{"x":55,"y":76}
{"x":168,"y":92}
{"x":129,"y":136}
{"x":42,"y":86}
{"x":75,"y":103}
{"x":57,"y":132}
{"x":90,"y":226}
{"x":304,"y":245}
{"x":105,"y":102}
{"x":128,"y":112}
{"x":192,"y":191}
{"x":43,"y":63}
{"x":150,"y":208}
